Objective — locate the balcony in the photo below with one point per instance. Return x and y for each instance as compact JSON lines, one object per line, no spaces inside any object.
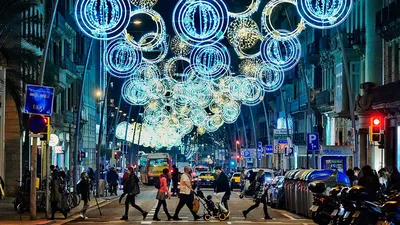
{"x":325,"y":100}
{"x":388,"y":21}
{"x":298,"y":104}
{"x":59,"y":24}
{"x":69,"y":68}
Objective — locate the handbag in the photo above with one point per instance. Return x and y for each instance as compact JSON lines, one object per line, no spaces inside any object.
{"x":160,"y":195}
{"x":196,"y":205}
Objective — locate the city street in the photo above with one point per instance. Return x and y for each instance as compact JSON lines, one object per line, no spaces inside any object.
{"x":113,"y":211}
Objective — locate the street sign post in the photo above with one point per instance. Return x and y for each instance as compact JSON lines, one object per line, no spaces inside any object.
{"x":312,"y":142}
{"x":246,"y":154}
{"x":313,"y":145}
{"x":39,"y":100}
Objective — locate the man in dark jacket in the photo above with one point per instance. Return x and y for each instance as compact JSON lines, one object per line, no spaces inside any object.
{"x":175,"y":179}
{"x":223,"y":190}
{"x":131,"y":188}
{"x":112,"y":180}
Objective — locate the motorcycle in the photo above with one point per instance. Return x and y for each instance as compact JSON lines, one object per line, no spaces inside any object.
{"x":325,"y":207}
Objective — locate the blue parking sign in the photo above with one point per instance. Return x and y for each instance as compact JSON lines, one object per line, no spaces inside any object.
{"x":39,"y":100}
{"x":269,"y":149}
{"x":246,"y":154}
{"x":312,"y":142}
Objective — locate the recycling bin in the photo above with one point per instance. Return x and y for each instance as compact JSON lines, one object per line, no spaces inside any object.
{"x":303,"y":192}
{"x":297,"y":188}
{"x":292,"y":190}
{"x":286,"y":188}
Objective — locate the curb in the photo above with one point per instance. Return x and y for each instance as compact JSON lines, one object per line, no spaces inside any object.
{"x":92,"y":207}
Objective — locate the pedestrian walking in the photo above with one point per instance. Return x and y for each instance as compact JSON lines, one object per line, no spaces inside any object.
{"x":112,"y":180}
{"x":131,"y":188}
{"x":175,"y":179}
{"x":223,"y":190}
{"x":259,"y":196}
{"x":55,"y":198}
{"x":83,"y":188}
{"x":370,"y":181}
{"x":162,"y":194}
{"x":186,"y":196}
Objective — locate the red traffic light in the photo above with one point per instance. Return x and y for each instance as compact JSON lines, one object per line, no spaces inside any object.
{"x":237,"y":142}
{"x":376,"y":121}
{"x":237,"y":156}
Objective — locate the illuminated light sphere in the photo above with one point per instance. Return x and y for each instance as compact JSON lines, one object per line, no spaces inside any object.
{"x":251,"y":9}
{"x":181,"y":75}
{"x":102,"y":19}
{"x":213,"y":123}
{"x":283,"y":54}
{"x":270,"y":79}
{"x":161,"y":50}
{"x":144,"y":3}
{"x":146,"y":72}
{"x":230,"y":112}
{"x":157,"y":37}
{"x":121,"y":58}
{"x":323,"y":14}
{"x":179,"y":47}
{"x":135,"y":92}
{"x":198,"y":116}
{"x":252,"y":94}
{"x":250,"y":67}
{"x":243,"y":33}
{"x":199,"y":21}
{"x":211,"y":61}
{"x":267,"y":23}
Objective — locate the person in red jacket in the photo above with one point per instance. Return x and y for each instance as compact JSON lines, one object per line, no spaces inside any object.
{"x":162,"y":194}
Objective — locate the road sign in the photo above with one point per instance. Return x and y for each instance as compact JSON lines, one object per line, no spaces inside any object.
{"x":269,"y":149}
{"x":246,"y":154}
{"x":36,"y":124}
{"x":282,"y":131}
{"x":312,"y":142}
{"x":39,"y":100}
{"x":53,"y":140}
{"x":282,"y":142}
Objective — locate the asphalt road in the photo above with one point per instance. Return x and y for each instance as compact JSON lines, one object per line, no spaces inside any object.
{"x":146,"y":200}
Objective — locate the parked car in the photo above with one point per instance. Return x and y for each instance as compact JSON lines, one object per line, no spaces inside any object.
{"x":277,"y":197}
{"x":206,"y":180}
{"x":235,"y":181}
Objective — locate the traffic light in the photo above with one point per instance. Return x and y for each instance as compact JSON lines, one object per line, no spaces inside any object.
{"x":46,"y":132}
{"x":375,"y":129}
{"x":115,"y":155}
{"x":237,"y":158}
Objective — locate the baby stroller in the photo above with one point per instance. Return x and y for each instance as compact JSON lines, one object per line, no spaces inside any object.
{"x":210,"y":209}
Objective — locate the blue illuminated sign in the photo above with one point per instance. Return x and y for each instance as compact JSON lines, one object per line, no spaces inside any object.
{"x":269,"y":149}
{"x":246,"y":154}
{"x":312,"y":142}
{"x":39,"y":100}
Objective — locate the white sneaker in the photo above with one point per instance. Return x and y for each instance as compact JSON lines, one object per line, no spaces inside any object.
{"x":83,"y":217}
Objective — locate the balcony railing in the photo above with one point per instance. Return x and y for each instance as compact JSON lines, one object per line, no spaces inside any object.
{"x":324,"y":98}
{"x":67,"y":64}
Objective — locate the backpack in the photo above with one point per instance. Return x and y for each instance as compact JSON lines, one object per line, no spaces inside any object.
{"x":157,"y":184}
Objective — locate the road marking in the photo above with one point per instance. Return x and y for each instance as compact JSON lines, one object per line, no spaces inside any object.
{"x":289,"y":216}
{"x":146,"y":222}
{"x":229,"y":222}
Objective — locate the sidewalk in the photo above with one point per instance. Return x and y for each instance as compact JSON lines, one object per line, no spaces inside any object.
{"x":9,"y":216}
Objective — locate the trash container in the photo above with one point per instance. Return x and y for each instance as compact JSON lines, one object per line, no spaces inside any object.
{"x":292,"y":190}
{"x":303,"y":192}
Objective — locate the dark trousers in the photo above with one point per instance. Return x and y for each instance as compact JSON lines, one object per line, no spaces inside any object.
{"x":174,"y":186}
{"x":55,"y":208}
{"x":185,"y":200}
{"x":113,"y":189}
{"x":164,"y":204}
{"x":85,"y":199}
{"x":130,"y":199}
{"x":265,"y":208}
